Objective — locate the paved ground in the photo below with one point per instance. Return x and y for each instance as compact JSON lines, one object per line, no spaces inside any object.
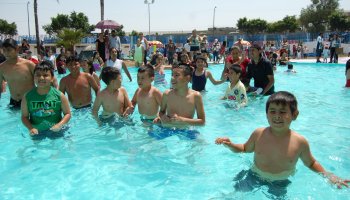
{"x":341,"y":60}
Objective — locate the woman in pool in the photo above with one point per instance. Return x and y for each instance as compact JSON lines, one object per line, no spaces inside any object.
{"x":236,"y":57}
{"x":347,"y":73}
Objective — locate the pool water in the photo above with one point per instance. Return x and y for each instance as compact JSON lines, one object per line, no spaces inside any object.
{"x":124,"y":162}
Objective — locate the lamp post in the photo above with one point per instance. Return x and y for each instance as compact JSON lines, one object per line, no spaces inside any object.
{"x":28,"y":19}
{"x":214,"y":20}
{"x":149,"y":16}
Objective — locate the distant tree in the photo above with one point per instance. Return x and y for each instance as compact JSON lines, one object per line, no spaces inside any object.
{"x":315,"y":18}
{"x":252,"y":26}
{"x":69,"y":37}
{"x":76,"y":21}
{"x":338,"y":21}
{"x":120,"y":31}
{"x":287,"y":24}
{"x":134,"y":33}
{"x":7,"y":28}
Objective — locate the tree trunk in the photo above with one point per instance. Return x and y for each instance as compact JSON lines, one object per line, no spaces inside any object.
{"x":102,"y":5}
{"x":37,"y":27}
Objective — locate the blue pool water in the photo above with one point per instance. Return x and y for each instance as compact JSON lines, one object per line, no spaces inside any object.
{"x":124,"y":162}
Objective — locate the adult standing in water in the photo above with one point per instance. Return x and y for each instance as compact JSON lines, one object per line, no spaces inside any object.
{"x":101,"y":46}
{"x":335,"y":43}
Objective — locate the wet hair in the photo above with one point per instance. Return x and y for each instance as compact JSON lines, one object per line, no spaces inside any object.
{"x":187,"y":70}
{"x":91,"y":67}
{"x":274,"y":55}
{"x":10,"y":42}
{"x":290,"y":66}
{"x":347,"y":67}
{"x":45,"y":66}
{"x":109,"y":73}
{"x":285,"y":98}
{"x":236,"y":68}
{"x":72,"y":59}
{"x":200,"y":57}
{"x":148,"y":68}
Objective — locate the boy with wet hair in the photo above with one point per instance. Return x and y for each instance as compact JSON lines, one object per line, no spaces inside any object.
{"x":180,"y":103}
{"x":147,"y":97}
{"x":18,"y":72}
{"x":42,"y":107}
{"x":277,"y":148}
{"x":114,"y":98}
{"x":78,"y":85}
{"x":236,"y":90}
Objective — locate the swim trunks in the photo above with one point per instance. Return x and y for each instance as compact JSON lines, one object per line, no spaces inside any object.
{"x":347,"y":83}
{"x":86,"y":106}
{"x":15,"y":104}
{"x":162,"y":132}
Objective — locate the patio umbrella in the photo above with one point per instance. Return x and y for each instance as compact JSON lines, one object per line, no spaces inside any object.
{"x":107,"y":24}
{"x":157,"y":43}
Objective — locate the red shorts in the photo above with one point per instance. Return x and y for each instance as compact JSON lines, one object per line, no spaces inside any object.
{"x":347,"y":83}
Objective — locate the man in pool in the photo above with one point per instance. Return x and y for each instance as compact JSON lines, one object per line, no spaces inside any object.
{"x":277,"y":148}
{"x":18,"y":72}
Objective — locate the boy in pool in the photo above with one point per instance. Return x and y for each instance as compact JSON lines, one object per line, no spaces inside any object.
{"x":277,"y":148}
{"x":78,"y":85}
{"x":180,"y":103}
{"x":236,"y":90}
{"x":290,"y":69}
{"x":147,"y":97}
{"x":114,"y":98}
{"x":42,"y":107}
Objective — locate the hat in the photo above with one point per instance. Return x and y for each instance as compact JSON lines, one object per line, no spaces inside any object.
{"x":10,"y":43}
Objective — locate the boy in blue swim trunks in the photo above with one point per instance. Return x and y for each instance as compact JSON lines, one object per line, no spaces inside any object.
{"x":147,"y":97}
{"x":42,"y":107}
{"x":277,"y":148}
{"x":180,"y":103}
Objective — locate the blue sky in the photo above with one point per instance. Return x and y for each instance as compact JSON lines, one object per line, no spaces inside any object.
{"x":166,"y":15}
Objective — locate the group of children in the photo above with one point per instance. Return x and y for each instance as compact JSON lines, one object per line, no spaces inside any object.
{"x":276,"y":148}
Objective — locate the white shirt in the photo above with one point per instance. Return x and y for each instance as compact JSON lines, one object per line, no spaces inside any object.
{"x":114,"y":42}
{"x":117,"y":64}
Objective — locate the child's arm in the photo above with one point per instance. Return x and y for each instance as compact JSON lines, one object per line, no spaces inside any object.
{"x":96,"y":107}
{"x":93,"y":83}
{"x":243,"y":100}
{"x":162,"y":111}
{"x":128,"y":107}
{"x":248,"y":147}
{"x":95,"y":76}
{"x":134,"y":98}
{"x":62,"y":86}
{"x":126,"y":71}
{"x":66,"y":111}
{"x":315,"y":166}
{"x":215,"y":82}
{"x":25,"y":117}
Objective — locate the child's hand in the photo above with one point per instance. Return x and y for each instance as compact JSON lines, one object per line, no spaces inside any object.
{"x":225,"y":76}
{"x":175,"y":118}
{"x":157,"y":120}
{"x":56,"y":128}
{"x":128,"y":111}
{"x":338,"y":181}
{"x":222,"y":141}
{"x":33,"y":131}
{"x":165,"y":119}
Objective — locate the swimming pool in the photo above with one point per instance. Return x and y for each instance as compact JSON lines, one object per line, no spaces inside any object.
{"x":93,"y":162}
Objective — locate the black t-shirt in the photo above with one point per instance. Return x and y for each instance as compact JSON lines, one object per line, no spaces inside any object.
{"x":260,"y":72}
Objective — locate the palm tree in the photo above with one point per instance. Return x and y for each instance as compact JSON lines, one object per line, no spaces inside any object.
{"x":37,"y":26}
{"x":102,"y":5}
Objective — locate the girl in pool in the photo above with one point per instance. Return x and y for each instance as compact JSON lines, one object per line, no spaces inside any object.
{"x":236,"y":57}
{"x":159,"y":75}
{"x":200,"y":75}
{"x":88,"y":68}
{"x":97,"y":61}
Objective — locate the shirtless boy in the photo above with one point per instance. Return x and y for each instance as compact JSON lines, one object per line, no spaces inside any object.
{"x":180,"y":103}
{"x":78,"y":85}
{"x":277,"y":148}
{"x":18,"y":72}
{"x":147,"y":97}
{"x":114,"y":98}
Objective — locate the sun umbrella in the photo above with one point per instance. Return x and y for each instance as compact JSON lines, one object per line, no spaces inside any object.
{"x":107,"y":24}
{"x":157,"y":43}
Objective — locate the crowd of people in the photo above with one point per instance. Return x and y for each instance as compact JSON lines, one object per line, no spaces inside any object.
{"x":46,"y":109}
